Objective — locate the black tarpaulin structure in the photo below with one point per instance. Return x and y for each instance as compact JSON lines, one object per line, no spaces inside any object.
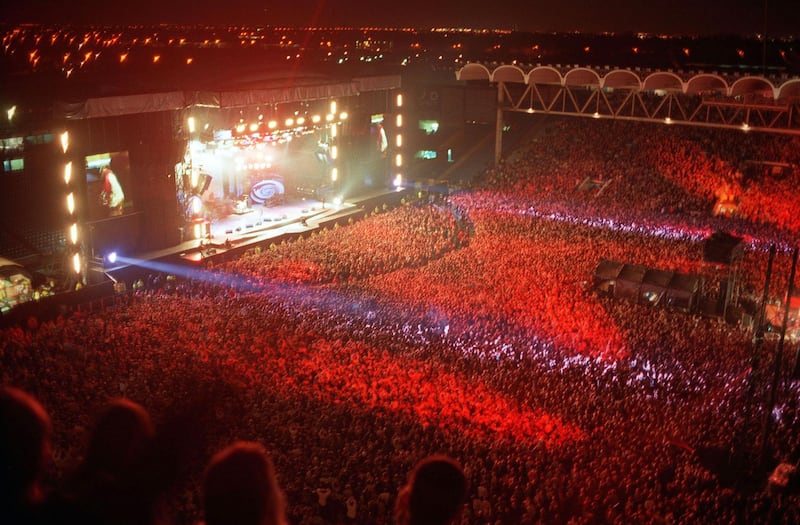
{"x":649,"y":286}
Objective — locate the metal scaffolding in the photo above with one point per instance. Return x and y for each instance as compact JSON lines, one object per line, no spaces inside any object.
{"x":746,"y":103}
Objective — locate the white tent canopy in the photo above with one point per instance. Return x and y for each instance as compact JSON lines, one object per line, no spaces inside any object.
{"x":15,"y":284}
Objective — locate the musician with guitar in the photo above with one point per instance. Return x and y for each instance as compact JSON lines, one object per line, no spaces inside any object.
{"x":112,"y":195}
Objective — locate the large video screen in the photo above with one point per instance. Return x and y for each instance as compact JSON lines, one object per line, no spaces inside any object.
{"x":108,"y":185}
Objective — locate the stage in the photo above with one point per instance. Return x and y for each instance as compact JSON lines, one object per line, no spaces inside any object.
{"x":229,"y":236}
{"x":259,"y":223}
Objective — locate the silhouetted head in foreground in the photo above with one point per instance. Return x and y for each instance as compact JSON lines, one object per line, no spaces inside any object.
{"x":240,"y":488}
{"x":25,"y":432}
{"x":434,"y":495}
{"x":121,"y":436}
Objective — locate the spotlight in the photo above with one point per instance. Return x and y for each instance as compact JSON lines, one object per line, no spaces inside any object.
{"x":112,"y":257}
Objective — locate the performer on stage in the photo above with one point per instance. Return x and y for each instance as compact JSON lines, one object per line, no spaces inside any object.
{"x":112,"y":195}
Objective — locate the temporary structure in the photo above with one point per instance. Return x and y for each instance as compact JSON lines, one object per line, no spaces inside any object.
{"x":15,"y":284}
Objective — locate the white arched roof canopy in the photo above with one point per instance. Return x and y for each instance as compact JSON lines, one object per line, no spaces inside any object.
{"x":508,"y":74}
{"x":9,"y":268}
{"x":621,"y":78}
{"x":753,"y":86}
{"x":790,"y":90}
{"x":473,"y":72}
{"x":545,"y":75}
{"x":581,"y":77}
{"x":662,"y":80}
{"x":706,"y":82}
{"x":8,"y":262}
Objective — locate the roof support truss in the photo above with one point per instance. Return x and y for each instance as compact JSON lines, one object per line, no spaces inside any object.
{"x":634,"y":104}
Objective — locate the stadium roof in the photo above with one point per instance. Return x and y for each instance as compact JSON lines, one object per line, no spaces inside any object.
{"x":276,"y":93}
{"x":692,"y":84}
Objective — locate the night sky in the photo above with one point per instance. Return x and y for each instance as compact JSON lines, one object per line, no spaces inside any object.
{"x":701,"y":17}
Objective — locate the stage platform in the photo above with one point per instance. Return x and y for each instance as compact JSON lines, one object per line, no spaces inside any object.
{"x":260,"y":223}
{"x":229,"y":237}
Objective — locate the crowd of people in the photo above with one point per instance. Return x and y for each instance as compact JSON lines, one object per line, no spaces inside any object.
{"x":125,"y":468}
{"x":463,"y":326}
{"x":409,"y":237}
{"x":654,"y":171}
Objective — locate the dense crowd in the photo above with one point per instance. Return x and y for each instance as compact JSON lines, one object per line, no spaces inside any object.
{"x":468,"y":326}
{"x":660,"y":171}
{"x":409,"y":237}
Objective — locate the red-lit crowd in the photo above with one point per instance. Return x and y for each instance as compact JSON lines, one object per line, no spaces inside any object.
{"x":466,"y":326}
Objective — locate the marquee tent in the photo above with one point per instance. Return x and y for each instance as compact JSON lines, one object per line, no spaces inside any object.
{"x":647,"y":286}
{"x":15,"y":284}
